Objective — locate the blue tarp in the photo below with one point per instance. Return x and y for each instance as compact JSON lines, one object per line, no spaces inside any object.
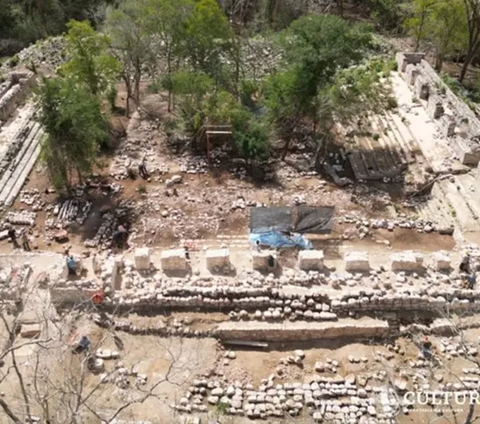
{"x":277,"y":240}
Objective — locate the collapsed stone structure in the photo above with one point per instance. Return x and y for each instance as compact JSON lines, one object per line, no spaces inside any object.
{"x":13,"y":92}
{"x":266,"y":299}
{"x":457,"y":123}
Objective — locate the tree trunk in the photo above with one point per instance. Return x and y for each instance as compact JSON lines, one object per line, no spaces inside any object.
{"x":9,"y":412}
{"x":439,"y":62}
{"x":169,"y":72}
{"x":469,"y":417}
{"x":420,"y":28}
{"x":137,"y":89}
{"x":22,"y":385}
{"x":137,"y":77}
{"x":472,"y":51}
{"x":340,"y":7}
{"x":464,"y":70}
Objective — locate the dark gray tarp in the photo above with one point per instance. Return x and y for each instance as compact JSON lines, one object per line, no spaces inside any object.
{"x":313,"y":219}
{"x":264,"y":220}
{"x":298,"y":219}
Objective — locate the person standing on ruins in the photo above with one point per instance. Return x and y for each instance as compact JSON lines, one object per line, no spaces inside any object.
{"x":13,"y":238}
{"x":25,"y":241}
{"x":142,"y":168}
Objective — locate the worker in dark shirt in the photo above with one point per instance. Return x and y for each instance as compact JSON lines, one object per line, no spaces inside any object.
{"x":465,"y":264}
{"x":427,"y":348}
{"x":13,"y":238}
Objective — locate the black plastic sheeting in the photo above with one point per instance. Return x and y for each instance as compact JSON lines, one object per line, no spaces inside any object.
{"x":264,"y":220}
{"x":298,"y":219}
{"x":314,"y":220}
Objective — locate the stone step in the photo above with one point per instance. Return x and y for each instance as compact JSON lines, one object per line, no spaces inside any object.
{"x":469,"y":187}
{"x":390,"y":143}
{"x":23,"y":165}
{"x":464,"y":215}
{"x":436,"y":211}
{"x":24,"y":175}
{"x":26,"y":144}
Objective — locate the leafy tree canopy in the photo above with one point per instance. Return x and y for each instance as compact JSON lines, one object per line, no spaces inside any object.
{"x":89,"y":61}
{"x":71,"y":117}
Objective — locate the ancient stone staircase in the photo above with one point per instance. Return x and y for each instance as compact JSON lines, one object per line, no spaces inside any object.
{"x":13,"y":178}
{"x":455,"y":201}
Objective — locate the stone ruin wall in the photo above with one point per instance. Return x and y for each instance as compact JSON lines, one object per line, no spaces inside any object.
{"x":302,"y":331}
{"x":461,"y":126}
{"x":14,"y":91}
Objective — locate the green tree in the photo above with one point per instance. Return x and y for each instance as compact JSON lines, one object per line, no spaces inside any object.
{"x":209,"y":40}
{"x":387,"y":14}
{"x":74,"y":126}
{"x":165,"y":20}
{"x":89,"y":61}
{"x":472,"y":15}
{"x":447,"y":28}
{"x":352,"y":93}
{"x":130,"y":44}
{"x":286,"y":103}
{"x":190,"y":89}
{"x":417,"y":22}
{"x":252,"y":141}
{"x":317,"y":47}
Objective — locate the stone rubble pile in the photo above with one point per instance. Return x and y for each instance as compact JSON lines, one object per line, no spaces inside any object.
{"x":13,"y":281}
{"x":177,"y":329}
{"x":331,"y":399}
{"x":365,"y":225}
{"x":103,"y":237}
{"x":32,"y":198}
{"x":48,"y":53}
{"x":70,"y":211}
{"x":21,"y":218}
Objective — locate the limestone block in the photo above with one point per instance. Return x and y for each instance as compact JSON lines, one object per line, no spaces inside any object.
{"x":174,"y":260}
{"x":402,"y":62}
{"x":260,"y":259}
{"x":310,"y":259}
{"x":29,"y":331}
{"x":435,"y":107}
{"x":422,"y":89}
{"x":110,"y":272}
{"x":142,"y":258}
{"x":404,"y":59}
{"x":357,"y":261}
{"x":116,"y":281}
{"x":406,"y":261}
{"x":412,"y":72}
{"x":447,"y":125}
{"x":218,"y":258}
{"x":441,"y":261}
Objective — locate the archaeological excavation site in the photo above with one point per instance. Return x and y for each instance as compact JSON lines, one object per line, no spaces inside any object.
{"x":202,"y":226}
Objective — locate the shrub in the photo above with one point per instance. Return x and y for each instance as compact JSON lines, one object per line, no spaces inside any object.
{"x":13,"y":61}
{"x":392,"y":102}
